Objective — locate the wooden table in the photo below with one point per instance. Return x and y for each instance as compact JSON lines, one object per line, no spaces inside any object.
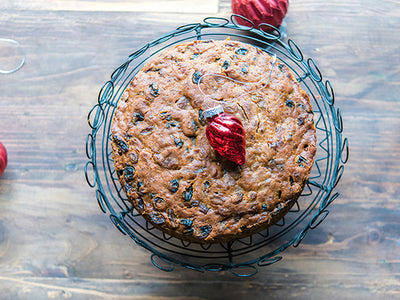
{"x":55,"y":242}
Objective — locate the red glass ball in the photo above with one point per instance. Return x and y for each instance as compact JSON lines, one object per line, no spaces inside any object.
{"x":225,"y":134}
{"x":3,"y":158}
{"x":261,"y":11}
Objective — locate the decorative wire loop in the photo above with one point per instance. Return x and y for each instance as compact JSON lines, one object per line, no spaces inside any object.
{"x":271,"y":32}
{"x":96,"y":117}
{"x":118,"y":223}
{"x":214,"y":267}
{"x":219,"y":22}
{"x":168,"y":266}
{"x":106,"y":91}
{"x":294,"y":50}
{"x":87,"y":172}
{"x":268,"y":261}
{"x":339,"y":121}
{"x":188,"y":28}
{"x":330,"y":96}
{"x":139,"y":52}
{"x":241,"y":257}
{"x":100,"y":200}
{"x":119,"y":72}
{"x":300,"y":237}
{"x":22,"y":62}
{"x":345,"y":151}
{"x":89,"y":146}
{"x":242,"y":27}
{"x":251,"y":270}
{"x":315,"y":72}
{"x":313,"y":223}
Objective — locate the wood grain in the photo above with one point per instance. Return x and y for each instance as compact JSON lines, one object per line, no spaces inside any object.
{"x":55,"y":242}
{"x":165,"y":6}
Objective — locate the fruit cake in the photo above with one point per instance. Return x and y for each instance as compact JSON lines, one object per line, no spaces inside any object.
{"x":165,"y":162}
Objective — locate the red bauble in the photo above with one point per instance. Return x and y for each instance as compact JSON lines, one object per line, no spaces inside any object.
{"x":261,"y":11}
{"x":226,"y":135}
{"x":3,"y":158}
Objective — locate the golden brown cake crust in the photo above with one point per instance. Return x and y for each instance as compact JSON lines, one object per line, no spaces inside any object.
{"x":166,"y":165}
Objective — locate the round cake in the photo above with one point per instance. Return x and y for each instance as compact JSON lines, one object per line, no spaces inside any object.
{"x":164,"y":160}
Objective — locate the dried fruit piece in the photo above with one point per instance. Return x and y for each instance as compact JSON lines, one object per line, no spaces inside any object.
{"x":165,"y":116}
{"x":171,"y":124}
{"x":139,"y":205}
{"x":205,"y":231}
{"x":159,"y":203}
{"x":137,"y":117}
{"x":277,"y":209}
{"x":157,"y":218}
{"x":134,"y":157}
{"x":188,"y":193}
{"x":226,"y":65}
{"x":178,"y":142}
{"x":172,"y":218}
{"x":301,"y":160}
{"x":281,"y":67}
{"x":139,"y":187}
{"x":289,"y":103}
{"x":202,"y":119}
{"x":174,"y":185}
{"x":120,"y":143}
{"x":196,"y":77}
{"x":171,"y":214}
{"x":206,"y":184}
{"x":186,"y":222}
{"x":194,"y":55}
{"x":129,"y":173}
{"x":154,"y":91}
{"x":241,"y":51}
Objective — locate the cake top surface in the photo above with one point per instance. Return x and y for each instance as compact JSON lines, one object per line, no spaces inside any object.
{"x":166,"y":165}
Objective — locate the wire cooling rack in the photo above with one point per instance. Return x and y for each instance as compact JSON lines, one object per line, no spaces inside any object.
{"x":242,"y":257}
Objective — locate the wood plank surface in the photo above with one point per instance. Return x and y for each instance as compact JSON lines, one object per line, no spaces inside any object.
{"x":55,"y":243}
{"x":164,"y":6}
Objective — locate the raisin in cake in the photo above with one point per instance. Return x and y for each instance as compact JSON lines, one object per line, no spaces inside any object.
{"x":165,"y":164}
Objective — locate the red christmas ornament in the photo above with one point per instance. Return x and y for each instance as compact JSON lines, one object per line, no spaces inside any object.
{"x":3,"y":158}
{"x":225,"y":134}
{"x":261,"y":11}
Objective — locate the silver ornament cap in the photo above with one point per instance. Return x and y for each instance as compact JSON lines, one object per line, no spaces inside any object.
{"x":213,"y":111}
